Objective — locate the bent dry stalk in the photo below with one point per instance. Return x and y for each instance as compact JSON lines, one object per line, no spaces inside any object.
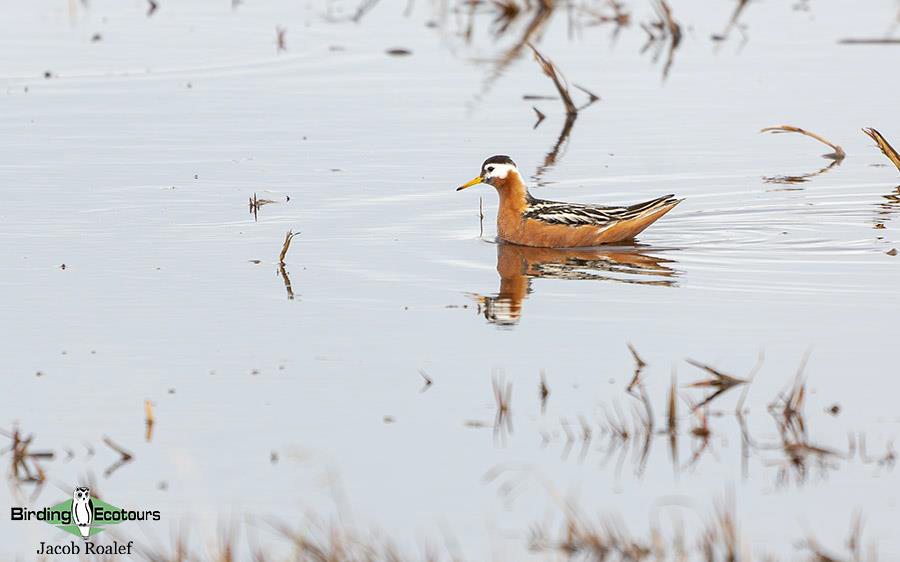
{"x":838,"y":153}
{"x":884,"y":145}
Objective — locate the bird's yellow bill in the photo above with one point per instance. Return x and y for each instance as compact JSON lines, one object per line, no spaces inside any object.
{"x":476,"y":181}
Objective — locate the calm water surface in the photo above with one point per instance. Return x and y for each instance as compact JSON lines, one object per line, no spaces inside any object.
{"x":132,"y":164}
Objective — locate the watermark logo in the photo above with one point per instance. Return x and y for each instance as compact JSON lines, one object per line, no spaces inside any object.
{"x":83,"y":516}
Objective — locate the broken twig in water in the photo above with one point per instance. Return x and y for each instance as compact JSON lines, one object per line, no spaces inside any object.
{"x":287,"y":281}
{"x":550,"y":70}
{"x":838,"y":153}
{"x":873,"y":41}
{"x":672,"y":421}
{"x":540,"y":117}
{"x":256,"y":203}
{"x":502,"y":397}
{"x":720,"y":381}
{"x":428,"y":381}
{"x":480,"y":216}
{"x":592,"y":97}
{"x":25,"y":468}
{"x":287,"y":244}
{"x":668,"y":29}
{"x":639,"y":365}
{"x":884,"y":145}
{"x":150,"y":420}
{"x":125,"y":456}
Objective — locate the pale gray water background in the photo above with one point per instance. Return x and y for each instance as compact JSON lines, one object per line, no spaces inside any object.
{"x":133,"y":163}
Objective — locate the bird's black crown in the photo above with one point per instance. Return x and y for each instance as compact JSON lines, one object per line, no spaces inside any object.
{"x":499,"y":159}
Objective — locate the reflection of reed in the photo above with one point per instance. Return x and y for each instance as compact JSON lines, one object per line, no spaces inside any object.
{"x":287,"y":282}
{"x":518,"y":265}
{"x":550,"y":158}
{"x":887,"y":208}
{"x":664,"y":33}
{"x":572,"y":110}
{"x":630,"y":431}
{"x":541,"y":17}
{"x":802,"y":178}
{"x":733,"y":22}
{"x":799,"y":453}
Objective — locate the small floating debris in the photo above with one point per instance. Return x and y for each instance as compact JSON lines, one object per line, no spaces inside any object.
{"x":280,"y":41}
{"x":149,"y":420}
{"x":399,"y":52}
{"x":544,"y":392}
{"x":428,"y":381}
{"x":872,"y":41}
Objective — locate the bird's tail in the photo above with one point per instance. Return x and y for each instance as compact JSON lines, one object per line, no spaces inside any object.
{"x":653,"y":205}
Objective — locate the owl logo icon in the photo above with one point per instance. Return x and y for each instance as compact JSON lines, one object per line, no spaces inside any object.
{"x":83,"y":510}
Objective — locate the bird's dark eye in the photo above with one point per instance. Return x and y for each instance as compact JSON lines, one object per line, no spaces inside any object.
{"x":490,"y":168}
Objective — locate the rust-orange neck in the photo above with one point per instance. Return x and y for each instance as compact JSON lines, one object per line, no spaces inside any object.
{"x":512,"y":194}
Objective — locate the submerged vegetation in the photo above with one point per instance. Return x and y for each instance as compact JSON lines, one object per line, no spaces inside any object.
{"x":619,"y":434}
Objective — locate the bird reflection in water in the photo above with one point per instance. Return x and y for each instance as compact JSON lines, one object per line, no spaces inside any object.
{"x":887,"y":208}
{"x":518,"y":265}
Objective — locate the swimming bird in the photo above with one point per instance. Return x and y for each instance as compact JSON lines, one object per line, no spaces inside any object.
{"x":528,"y":221}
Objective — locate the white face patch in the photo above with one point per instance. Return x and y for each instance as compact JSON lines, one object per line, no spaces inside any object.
{"x":499,"y":171}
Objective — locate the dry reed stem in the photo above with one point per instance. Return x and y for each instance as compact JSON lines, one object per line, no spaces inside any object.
{"x":672,"y":408}
{"x":287,"y":244}
{"x":150,"y":420}
{"x":884,"y":145}
{"x":428,"y":381}
{"x":24,"y":467}
{"x":125,"y":456}
{"x":287,"y":281}
{"x":550,"y":70}
{"x":639,"y":365}
{"x":838,"y":153}
{"x":719,"y":379}
{"x":540,"y":117}
{"x":480,"y":216}
{"x":671,"y":25}
{"x":502,"y":397}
